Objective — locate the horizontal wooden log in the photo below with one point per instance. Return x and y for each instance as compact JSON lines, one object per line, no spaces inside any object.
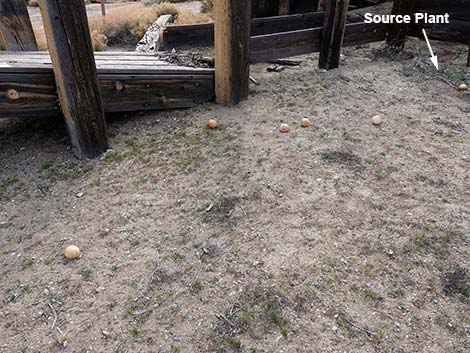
{"x":457,"y":31}
{"x":282,"y":45}
{"x":203,"y":33}
{"x":37,"y":92}
{"x":457,"y":9}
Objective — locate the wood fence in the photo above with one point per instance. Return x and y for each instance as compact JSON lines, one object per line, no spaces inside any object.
{"x":83,"y":86}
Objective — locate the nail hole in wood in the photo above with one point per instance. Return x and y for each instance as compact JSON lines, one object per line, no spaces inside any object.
{"x":13,"y":94}
{"x":119,"y":86}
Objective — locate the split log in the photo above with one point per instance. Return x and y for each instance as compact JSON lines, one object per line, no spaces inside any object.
{"x":152,"y":39}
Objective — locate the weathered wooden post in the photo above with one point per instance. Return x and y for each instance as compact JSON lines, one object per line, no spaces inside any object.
{"x":334,"y":24}
{"x":71,"y":51}
{"x":16,"y":31}
{"x":103,"y":7}
{"x":397,"y":32}
{"x":232,"y":49}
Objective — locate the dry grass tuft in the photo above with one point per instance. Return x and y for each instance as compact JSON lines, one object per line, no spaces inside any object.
{"x":207,"y":6}
{"x":126,"y":26}
{"x":188,"y":17}
{"x":99,"y":40}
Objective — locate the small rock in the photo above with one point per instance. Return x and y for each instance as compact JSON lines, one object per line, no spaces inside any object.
{"x":463,"y":87}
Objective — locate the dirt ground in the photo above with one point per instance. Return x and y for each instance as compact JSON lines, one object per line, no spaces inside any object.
{"x":341,"y":237}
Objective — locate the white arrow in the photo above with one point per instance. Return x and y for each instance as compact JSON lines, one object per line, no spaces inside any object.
{"x":433,"y":57}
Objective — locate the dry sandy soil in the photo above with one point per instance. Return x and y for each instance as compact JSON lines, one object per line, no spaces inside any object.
{"x":341,"y":237}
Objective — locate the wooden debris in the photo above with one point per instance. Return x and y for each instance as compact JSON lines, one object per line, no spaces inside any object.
{"x":254,"y":81}
{"x":275,"y":68}
{"x":286,"y":62}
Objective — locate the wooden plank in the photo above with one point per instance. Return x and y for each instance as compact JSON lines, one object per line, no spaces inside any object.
{"x":16,"y":31}
{"x":203,"y":34}
{"x":110,"y":68}
{"x":232,"y":50}
{"x":333,"y":32}
{"x":397,"y":32}
{"x":71,"y":51}
{"x":169,"y":70}
{"x":283,"y":45}
{"x":456,"y":31}
{"x":100,"y":53}
{"x":457,"y":9}
{"x":37,"y":92}
{"x":16,"y":57}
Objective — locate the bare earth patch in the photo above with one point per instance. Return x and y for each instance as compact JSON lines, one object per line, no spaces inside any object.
{"x":342,"y":237}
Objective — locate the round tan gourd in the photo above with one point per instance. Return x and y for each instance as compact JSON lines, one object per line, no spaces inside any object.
{"x":72,"y":252}
{"x":305,"y":122}
{"x":377,"y":120}
{"x":284,"y":128}
{"x":212,"y":123}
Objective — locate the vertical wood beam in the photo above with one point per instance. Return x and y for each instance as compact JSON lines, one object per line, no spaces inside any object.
{"x":397,"y":32}
{"x":334,"y":25}
{"x":103,"y":7}
{"x":232,"y":50}
{"x":71,"y":51}
{"x":16,"y":31}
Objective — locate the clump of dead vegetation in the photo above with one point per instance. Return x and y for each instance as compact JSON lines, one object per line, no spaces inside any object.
{"x":125,"y":26}
{"x":260,"y":310}
{"x":457,"y":283}
{"x":207,"y":5}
